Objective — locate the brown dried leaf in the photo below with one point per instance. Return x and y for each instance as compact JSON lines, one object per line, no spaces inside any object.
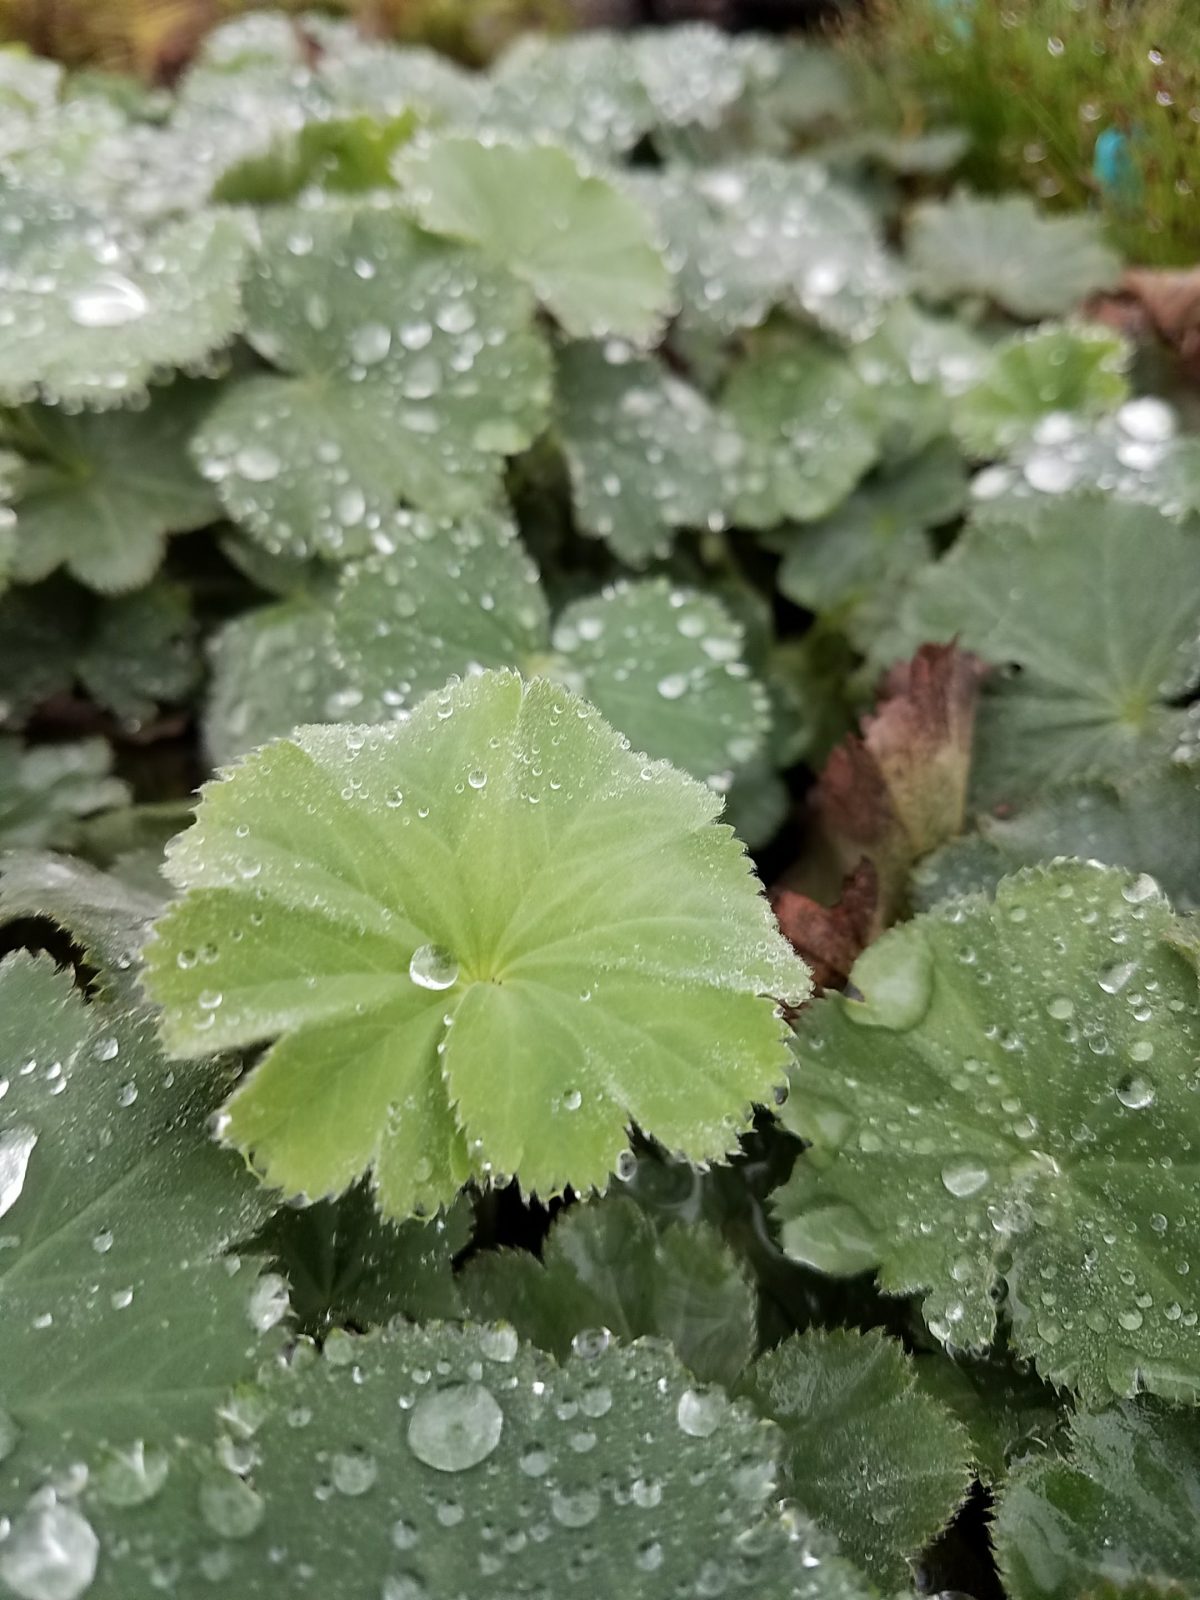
{"x":887,"y":796}
{"x":830,"y":938}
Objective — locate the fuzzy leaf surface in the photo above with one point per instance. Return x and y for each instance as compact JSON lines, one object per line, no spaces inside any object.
{"x":607,"y":1266}
{"x":122,"y":1334}
{"x":94,"y":312}
{"x":349,"y":890}
{"x":1052,"y":1035}
{"x":866,"y":1453}
{"x":1098,"y":674}
{"x":1120,"y":1512}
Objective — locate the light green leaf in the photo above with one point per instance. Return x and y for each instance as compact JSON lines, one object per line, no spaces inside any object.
{"x":46,"y":789}
{"x":583,"y":246}
{"x":647,"y":453}
{"x":93,"y":312}
{"x":662,"y":663}
{"x":365,"y":75}
{"x":808,"y":434}
{"x":762,"y":233}
{"x":852,"y":566}
{"x":124,"y":1327}
{"x":346,"y":1265}
{"x":409,"y":368}
{"x":1097,"y":603}
{"x":1055,"y":368}
{"x":475,"y":864}
{"x":1149,"y":824}
{"x":867,"y":1453}
{"x":606,"y":1268}
{"x":1008,"y":252}
{"x":101,"y":491}
{"x":445,"y":1458}
{"x":1120,"y":1510}
{"x":917,"y":366}
{"x":996,"y":1111}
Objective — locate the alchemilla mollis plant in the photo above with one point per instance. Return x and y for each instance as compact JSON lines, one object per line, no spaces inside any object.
{"x":535,"y":509}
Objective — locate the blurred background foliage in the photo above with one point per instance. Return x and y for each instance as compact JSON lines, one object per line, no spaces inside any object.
{"x":1085,"y":103}
{"x":1082,"y":102}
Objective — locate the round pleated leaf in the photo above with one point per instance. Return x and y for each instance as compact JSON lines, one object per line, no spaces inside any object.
{"x":1007,"y":251}
{"x":807,"y":431}
{"x":876,"y":1461}
{"x":609,"y":1269}
{"x":647,"y":453}
{"x":1055,"y":368}
{"x":1010,"y":1109}
{"x":93,"y":312}
{"x":664,"y":665}
{"x":762,"y":233}
{"x":1096,"y":603}
{"x":101,"y":491}
{"x":512,"y":934}
{"x":584,"y":247}
{"x":409,"y":368}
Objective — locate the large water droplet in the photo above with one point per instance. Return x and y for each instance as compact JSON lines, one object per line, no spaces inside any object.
{"x":455,"y":1428}
{"x":895,"y":979}
{"x":16,"y":1147}
{"x":433,"y":967}
{"x":51,"y":1553}
{"x":1135,"y":1092}
{"x":963,"y":1178}
{"x":354,"y":1472}
{"x":268,"y":1302}
{"x":699,"y":1411}
{"x":257,"y":463}
{"x":575,"y":1510}
{"x":109,"y":302}
{"x":370,"y":343}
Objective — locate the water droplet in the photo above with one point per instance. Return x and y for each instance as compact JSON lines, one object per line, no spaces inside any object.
{"x":477,"y":778}
{"x":16,"y":1147}
{"x":673,"y":686}
{"x":1143,"y":888}
{"x":354,"y":1472}
{"x":1135,"y":1092}
{"x":433,"y":967}
{"x":268,"y":1303}
{"x":1113,"y":979}
{"x":575,"y":1510}
{"x":963,"y":1178}
{"x":110,"y":302}
{"x":50,"y":1554}
{"x":499,"y":1343}
{"x":455,"y":1428}
{"x":589,"y":1343}
{"x":700,"y":1411}
{"x":370,"y":343}
{"x":231,"y":1507}
{"x":256,"y":463}
{"x":894,"y":976}
{"x":403,"y":1587}
{"x":133,"y":1476}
